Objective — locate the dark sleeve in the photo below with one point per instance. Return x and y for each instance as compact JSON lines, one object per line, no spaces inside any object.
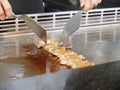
{"x":27,"y":6}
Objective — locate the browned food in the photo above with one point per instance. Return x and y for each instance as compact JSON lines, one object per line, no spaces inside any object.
{"x":66,"y":57}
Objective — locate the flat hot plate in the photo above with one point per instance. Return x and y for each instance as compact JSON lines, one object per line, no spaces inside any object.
{"x":20,"y":58}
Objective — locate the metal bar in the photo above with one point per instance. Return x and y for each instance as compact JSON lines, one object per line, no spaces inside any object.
{"x":57,"y":20}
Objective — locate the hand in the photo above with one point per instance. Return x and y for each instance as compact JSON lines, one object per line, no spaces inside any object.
{"x":5,"y":9}
{"x":89,"y":4}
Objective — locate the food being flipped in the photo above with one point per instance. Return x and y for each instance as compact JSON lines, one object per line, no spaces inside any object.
{"x":65,"y":56}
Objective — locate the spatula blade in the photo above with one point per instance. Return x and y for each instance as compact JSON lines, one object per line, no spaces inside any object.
{"x":72,"y":25}
{"x":36,"y":27}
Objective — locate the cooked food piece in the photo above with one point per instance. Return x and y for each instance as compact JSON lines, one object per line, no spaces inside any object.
{"x":66,"y":57}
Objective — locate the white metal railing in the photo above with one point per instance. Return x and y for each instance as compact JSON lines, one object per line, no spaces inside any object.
{"x":57,"y":20}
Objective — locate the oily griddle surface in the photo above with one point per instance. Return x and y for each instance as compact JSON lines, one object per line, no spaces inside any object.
{"x":34,"y":62}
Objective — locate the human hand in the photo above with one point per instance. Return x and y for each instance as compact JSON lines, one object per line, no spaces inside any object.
{"x":5,"y":9}
{"x":89,"y":4}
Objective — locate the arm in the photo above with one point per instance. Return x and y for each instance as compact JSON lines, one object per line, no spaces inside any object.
{"x":5,"y":9}
{"x":89,"y":4}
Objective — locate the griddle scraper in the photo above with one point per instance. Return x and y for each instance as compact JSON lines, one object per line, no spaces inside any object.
{"x":36,"y":27}
{"x":72,"y":25}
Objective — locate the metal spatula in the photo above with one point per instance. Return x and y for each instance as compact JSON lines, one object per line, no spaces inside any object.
{"x":37,"y":28}
{"x":72,"y":25}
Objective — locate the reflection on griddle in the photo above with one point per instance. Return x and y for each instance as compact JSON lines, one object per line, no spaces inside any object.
{"x":33,"y":61}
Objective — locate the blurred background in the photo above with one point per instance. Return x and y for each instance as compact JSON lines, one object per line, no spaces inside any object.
{"x":39,"y":6}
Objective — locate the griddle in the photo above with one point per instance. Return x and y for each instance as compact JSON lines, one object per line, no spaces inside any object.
{"x":97,"y":39}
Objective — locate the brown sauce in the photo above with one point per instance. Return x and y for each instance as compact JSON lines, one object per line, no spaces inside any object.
{"x":33,"y":61}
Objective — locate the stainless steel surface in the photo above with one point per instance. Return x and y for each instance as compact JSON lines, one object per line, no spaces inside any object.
{"x":99,"y":44}
{"x":20,"y":58}
{"x":98,"y":40}
{"x":72,"y":25}
{"x":37,"y":28}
